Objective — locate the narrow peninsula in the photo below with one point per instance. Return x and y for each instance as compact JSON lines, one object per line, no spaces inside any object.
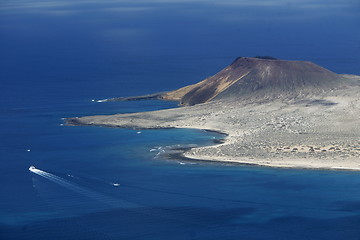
{"x":277,"y":113}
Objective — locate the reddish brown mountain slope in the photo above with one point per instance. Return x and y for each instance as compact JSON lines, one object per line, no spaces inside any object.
{"x":249,"y":78}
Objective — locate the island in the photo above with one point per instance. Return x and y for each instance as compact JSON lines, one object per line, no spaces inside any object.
{"x":276,"y":113}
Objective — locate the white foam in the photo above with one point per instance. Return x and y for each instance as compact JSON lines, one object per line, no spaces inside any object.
{"x":161,"y":151}
{"x":28,"y":150}
{"x":102,"y":100}
{"x":118,"y":203}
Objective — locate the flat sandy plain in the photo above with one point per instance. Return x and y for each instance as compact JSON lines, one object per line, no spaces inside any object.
{"x":319,"y":131}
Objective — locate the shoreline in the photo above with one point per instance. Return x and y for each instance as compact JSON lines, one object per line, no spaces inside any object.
{"x":183,"y":156}
{"x":306,"y":134}
{"x":180,"y":154}
{"x":261,"y":163}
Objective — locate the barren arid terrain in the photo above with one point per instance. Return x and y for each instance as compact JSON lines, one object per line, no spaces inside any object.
{"x":311,"y":129}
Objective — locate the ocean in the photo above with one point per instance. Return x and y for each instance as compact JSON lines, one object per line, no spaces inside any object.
{"x":64,"y":182}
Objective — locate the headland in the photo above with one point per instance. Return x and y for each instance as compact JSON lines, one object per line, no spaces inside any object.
{"x":276,"y":113}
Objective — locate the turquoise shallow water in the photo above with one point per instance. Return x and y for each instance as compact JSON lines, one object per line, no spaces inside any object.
{"x":99,"y":183}
{"x":102,"y":183}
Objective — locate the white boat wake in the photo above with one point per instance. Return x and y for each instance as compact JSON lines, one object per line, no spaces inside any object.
{"x":110,"y":201}
{"x":158,"y":212}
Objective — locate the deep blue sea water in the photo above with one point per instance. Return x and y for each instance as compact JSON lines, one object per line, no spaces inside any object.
{"x":101,"y":183}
